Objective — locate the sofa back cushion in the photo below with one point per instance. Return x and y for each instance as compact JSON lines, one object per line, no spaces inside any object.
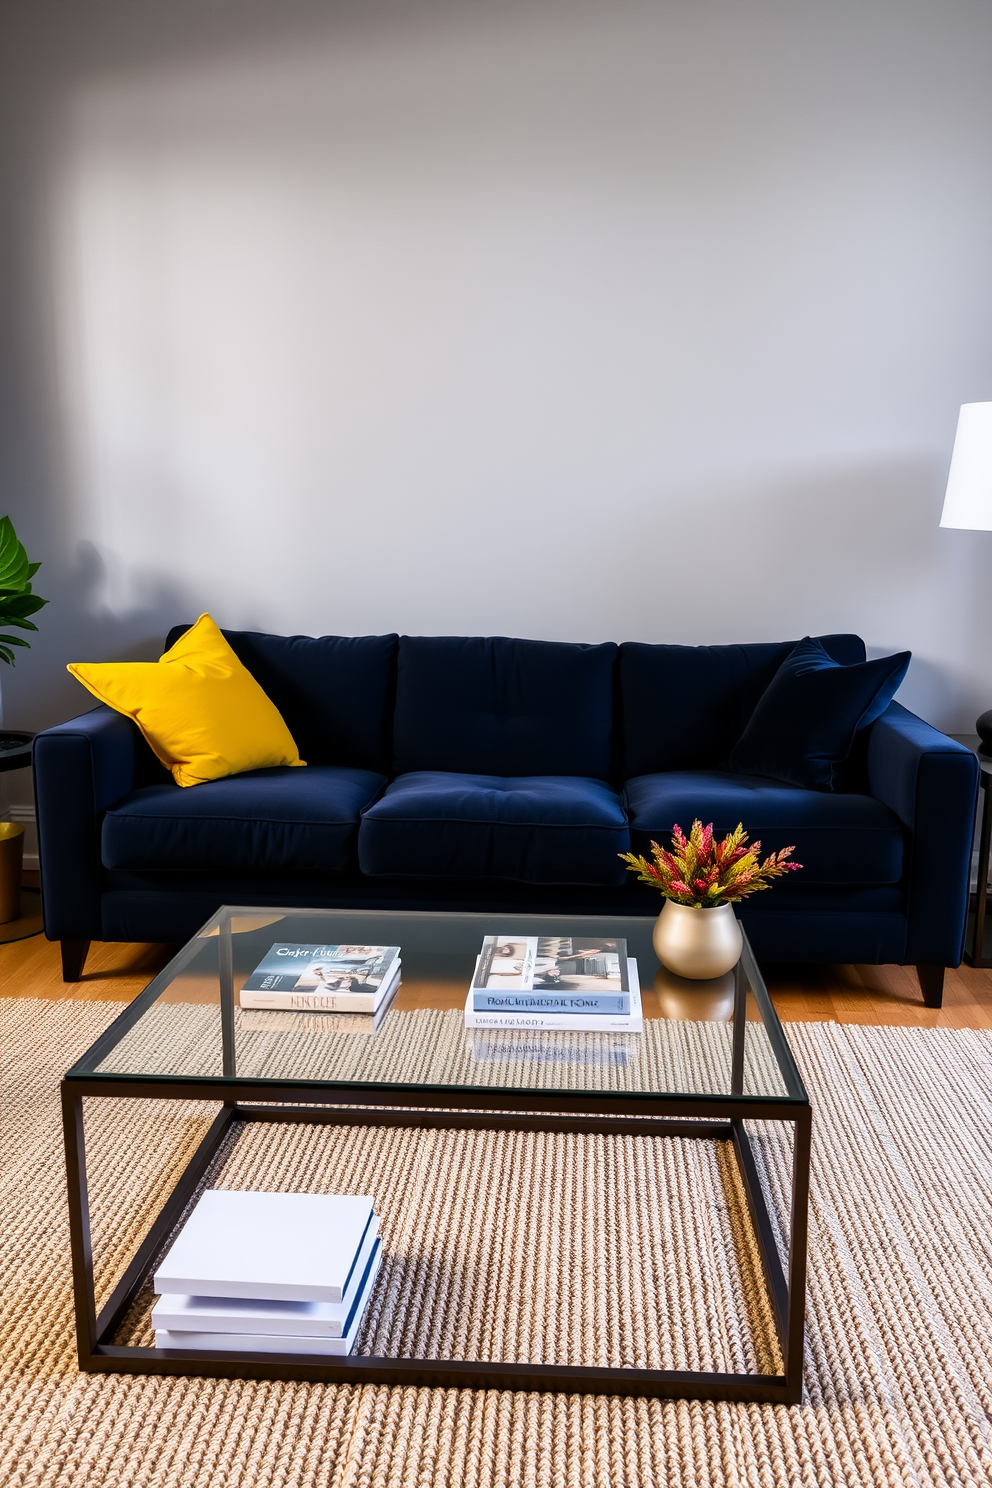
{"x":804,"y":727}
{"x":685,"y":707}
{"x":335,"y":692}
{"x":494,"y":706}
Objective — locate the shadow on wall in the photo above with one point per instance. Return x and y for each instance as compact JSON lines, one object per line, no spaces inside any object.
{"x":87,"y":628}
{"x":854,"y":549}
{"x":651,"y":261}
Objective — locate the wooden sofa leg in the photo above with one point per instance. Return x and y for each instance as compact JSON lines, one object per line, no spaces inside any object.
{"x":931,"y":984}
{"x":73,"y":959}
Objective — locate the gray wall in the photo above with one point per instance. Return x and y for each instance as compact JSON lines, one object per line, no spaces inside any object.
{"x":564,"y":320}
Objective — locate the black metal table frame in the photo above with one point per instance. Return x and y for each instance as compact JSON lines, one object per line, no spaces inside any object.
{"x":713,"y":1117}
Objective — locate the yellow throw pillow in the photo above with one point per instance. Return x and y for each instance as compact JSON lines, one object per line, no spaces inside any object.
{"x":201,"y":711}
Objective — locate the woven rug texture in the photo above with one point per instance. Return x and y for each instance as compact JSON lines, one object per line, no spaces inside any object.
{"x":618,"y":1250}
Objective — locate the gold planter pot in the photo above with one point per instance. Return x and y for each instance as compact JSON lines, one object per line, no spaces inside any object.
{"x":697,"y":943}
{"x":11,"y":860}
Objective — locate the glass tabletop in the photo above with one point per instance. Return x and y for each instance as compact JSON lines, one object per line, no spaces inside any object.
{"x":189,"y":1023}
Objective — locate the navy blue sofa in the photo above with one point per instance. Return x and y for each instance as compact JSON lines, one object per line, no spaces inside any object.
{"x":506,"y":775}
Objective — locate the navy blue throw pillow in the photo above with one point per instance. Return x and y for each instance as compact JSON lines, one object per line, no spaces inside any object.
{"x":807,"y":718}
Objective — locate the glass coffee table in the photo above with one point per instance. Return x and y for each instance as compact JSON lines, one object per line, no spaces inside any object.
{"x":712,"y":1064}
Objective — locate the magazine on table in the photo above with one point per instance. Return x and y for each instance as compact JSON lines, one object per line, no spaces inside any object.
{"x":323,"y":978}
{"x":572,"y":983}
{"x":565,"y":974}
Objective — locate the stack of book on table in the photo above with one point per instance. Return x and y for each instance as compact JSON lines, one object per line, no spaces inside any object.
{"x":578,"y":984}
{"x":351,"y":987}
{"x":283,"y":1273}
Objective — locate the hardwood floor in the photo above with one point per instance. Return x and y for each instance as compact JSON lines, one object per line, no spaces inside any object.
{"x":881,"y":995}
{"x":115,"y":971}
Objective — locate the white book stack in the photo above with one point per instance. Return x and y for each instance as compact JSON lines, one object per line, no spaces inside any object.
{"x":282,"y":1273}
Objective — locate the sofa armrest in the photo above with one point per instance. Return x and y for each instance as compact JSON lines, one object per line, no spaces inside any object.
{"x":931,"y":783}
{"x":80,"y":768}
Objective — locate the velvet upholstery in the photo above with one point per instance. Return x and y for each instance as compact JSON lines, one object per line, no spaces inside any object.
{"x":804,"y":724}
{"x":493,"y":706}
{"x":540,"y":829}
{"x":80,"y":768}
{"x":931,"y":783}
{"x":685,"y":707}
{"x":335,"y":692}
{"x":675,"y":703}
{"x":839,"y":839}
{"x":263,"y":821}
{"x":874,"y":938}
{"x":166,"y":907}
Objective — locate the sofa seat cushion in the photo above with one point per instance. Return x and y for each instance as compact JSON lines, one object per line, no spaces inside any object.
{"x":281,"y":820}
{"x":542,"y":829}
{"x":839,"y":839}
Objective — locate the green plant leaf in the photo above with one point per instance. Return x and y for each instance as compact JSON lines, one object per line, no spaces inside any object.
{"x":16,"y":599}
{"x":19,"y":605}
{"x":14,"y":564}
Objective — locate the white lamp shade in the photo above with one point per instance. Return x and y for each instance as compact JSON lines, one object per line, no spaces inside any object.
{"x":968,"y":499}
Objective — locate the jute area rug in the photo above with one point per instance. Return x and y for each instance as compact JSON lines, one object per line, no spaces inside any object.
{"x":529,"y":1245}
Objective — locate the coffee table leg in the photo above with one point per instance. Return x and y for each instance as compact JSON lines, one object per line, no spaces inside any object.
{"x":740,"y":1031}
{"x":91,"y":1330}
{"x":786,"y":1285}
{"x":226,"y":969}
{"x":80,"y":1239}
{"x":795,"y":1330}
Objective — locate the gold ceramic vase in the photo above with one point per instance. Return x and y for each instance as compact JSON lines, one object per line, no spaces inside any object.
{"x":697,"y":943}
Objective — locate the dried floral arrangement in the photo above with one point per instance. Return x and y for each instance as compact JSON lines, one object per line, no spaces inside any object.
{"x":702,"y":872}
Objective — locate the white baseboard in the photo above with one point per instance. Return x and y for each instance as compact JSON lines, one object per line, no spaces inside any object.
{"x":25,"y":815}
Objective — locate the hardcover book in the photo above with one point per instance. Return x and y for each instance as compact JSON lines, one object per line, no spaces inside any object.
{"x":280,"y":1343}
{"x":177,"y":1313}
{"x":551,"y":1002}
{"x":308,"y":1020}
{"x":364,"y":1002}
{"x":297,"y":1247}
{"x":574,"y":1020}
{"x":539,"y":966}
{"x":324,"y":971}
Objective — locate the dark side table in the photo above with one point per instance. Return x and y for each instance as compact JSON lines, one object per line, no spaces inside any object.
{"x":979,"y":955}
{"x":15,"y":750}
{"x":15,"y":754}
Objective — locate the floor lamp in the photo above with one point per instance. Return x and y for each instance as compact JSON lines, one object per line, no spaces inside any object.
{"x":968,"y":500}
